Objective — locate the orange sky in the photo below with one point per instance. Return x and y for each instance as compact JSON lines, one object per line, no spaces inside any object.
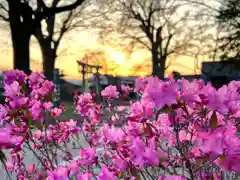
{"x":72,"y":48}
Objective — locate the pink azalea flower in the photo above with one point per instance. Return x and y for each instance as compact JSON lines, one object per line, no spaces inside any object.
{"x":213,"y":144}
{"x":14,"y":75}
{"x":196,"y":152}
{"x":16,"y":157}
{"x":106,"y":174}
{"x":137,"y":109}
{"x":220,"y":101}
{"x":151,"y":156}
{"x":110,"y":92}
{"x":7,"y":140}
{"x":35,"y":95}
{"x":220,"y":140}
{"x":35,"y":79}
{"x":148,"y":107}
{"x":60,"y":173}
{"x":18,"y":102}
{"x":125,"y":89}
{"x":71,"y":123}
{"x":46,"y":88}
{"x":31,"y":168}
{"x":74,"y":167}
{"x":171,"y":178}
{"x":84,"y":104}
{"x":85,"y":98}
{"x":163,"y":126}
{"x":229,"y":162}
{"x":140,"y":84}
{"x":216,"y":99}
{"x":189,"y":90}
{"x":3,"y":113}
{"x":47,"y":105}
{"x":161,"y":93}
{"x":143,"y":140}
{"x":112,"y":134}
{"x":9,"y":165}
{"x":234,"y":86}
{"x":56,"y":112}
{"x":183,"y":136}
{"x":134,"y":128}
{"x":12,"y":90}
{"x":120,"y":164}
{"x":87,"y":156}
{"x":206,"y":93}
{"x":172,"y":141}
{"x":142,"y":108}
{"x":36,"y":110}
{"x":137,"y":149}
{"x":38,"y":134}
{"x":121,"y":108}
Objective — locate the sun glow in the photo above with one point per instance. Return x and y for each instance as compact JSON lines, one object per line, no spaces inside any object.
{"x":117,"y":56}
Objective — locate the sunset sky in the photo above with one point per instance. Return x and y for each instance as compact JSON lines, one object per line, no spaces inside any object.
{"x":72,"y":48}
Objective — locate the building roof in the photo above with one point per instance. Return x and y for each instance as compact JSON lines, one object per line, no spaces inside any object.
{"x":74,"y":82}
{"x":221,"y":68}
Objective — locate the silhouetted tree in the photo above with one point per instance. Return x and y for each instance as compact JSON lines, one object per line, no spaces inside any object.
{"x":229,"y":19}
{"x":162,"y":27}
{"x":57,"y":26}
{"x":25,"y":17}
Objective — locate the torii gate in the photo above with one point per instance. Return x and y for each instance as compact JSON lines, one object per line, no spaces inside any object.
{"x":85,"y":69}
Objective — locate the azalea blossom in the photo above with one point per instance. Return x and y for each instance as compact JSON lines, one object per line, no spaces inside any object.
{"x":3,"y":113}
{"x":106,"y":174}
{"x":60,"y":173}
{"x":161,"y":93}
{"x":176,"y":130}
{"x":110,"y":92}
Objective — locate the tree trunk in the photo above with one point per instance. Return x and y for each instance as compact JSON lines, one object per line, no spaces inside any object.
{"x":158,"y":65}
{"x":21,"y":52}
{"x":154,"y":61}
{"x":49,"y":57}
{"x":20,"y":34}
{"x":161,"y":68}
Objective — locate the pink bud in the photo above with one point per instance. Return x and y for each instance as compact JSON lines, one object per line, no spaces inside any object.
{"x":9,"y":165}
{"x":31,"y":168}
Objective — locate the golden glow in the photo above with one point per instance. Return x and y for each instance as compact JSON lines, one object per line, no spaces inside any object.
{"x":117,"y":56}
{"x":72,"y":49}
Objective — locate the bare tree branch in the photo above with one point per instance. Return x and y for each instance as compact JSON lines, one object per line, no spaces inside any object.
{"x":165,"y":26}
{"x":4,"y":18}
{"x":41,"y":4}
{"x":55,"y":10}
{"x":63,"y":30}
{"x":197,"y":2}
{"x":3,"y":8}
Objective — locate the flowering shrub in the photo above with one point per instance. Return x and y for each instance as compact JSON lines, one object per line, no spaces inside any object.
{"x":167,"y":135}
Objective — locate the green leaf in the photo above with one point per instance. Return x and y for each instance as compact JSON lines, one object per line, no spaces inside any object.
{"x":163,"y":159}
{"x":165,"y":109}
{"x":137,"y":177}
{"x":29,"y":122}
{"x":213,"y":120}
{"x":17,"y":122}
